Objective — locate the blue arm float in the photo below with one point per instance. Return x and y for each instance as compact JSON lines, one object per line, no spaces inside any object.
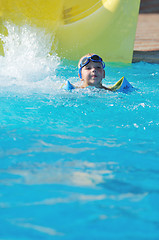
{"x":122,"y":86}
{"x":67,"y":86}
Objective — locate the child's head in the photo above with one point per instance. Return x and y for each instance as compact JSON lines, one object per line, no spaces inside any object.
{"x":91,"y":70}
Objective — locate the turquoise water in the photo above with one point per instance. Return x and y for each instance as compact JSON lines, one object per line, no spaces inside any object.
{"x":80,"y":164}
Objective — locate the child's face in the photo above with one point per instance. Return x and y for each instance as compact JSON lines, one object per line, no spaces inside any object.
{"x":92,"y":74}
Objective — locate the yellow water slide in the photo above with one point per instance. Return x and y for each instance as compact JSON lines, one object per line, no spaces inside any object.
{"x":105,"y":27}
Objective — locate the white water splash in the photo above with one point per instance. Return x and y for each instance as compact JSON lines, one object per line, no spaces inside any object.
{"x":27,"y":58}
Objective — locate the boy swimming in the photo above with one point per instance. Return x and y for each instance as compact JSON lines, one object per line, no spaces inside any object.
{"x":91,"y":73}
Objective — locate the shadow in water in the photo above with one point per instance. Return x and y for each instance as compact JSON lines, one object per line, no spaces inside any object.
{"x":146,"y":56}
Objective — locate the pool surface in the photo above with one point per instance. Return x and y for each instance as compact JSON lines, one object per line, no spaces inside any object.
{"x":80,"y":164}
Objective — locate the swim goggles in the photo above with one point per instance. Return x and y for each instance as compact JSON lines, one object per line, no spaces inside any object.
{"x":86,"y":60}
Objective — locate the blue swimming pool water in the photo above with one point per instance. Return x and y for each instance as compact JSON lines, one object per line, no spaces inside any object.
{"x":81,"y":164}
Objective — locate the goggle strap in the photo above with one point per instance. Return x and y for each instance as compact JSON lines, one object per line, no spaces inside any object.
{"x":80,"y":74}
